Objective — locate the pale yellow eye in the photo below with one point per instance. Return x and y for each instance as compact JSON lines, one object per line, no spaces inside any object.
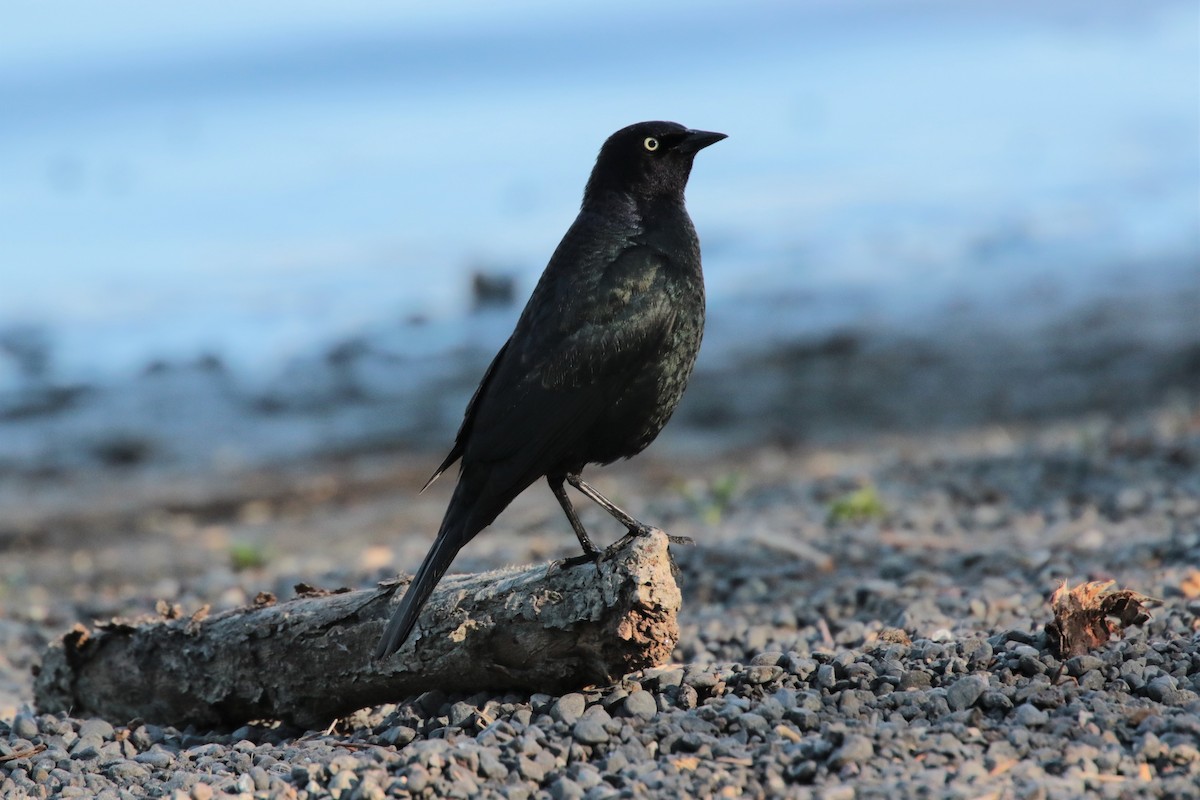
{"x":651,"y":143}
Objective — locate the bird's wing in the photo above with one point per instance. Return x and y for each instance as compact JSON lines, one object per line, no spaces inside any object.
{"x":464,"y":430}
{"x":581,"y":344}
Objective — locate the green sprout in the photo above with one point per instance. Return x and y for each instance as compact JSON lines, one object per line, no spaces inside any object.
{"x":861,"y":505}
{"x":715,"y":499}
{"x":246,"y":555}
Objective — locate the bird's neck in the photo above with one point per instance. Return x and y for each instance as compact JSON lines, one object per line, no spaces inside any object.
{"x":625,"y":205}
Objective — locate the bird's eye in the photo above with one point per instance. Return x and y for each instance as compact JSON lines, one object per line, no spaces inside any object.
{"x":650,"y":144}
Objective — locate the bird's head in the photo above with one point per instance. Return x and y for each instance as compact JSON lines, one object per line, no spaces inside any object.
{"x":648,"y":159}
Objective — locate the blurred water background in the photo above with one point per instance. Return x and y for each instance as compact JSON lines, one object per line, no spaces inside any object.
{"x":243,"y":232}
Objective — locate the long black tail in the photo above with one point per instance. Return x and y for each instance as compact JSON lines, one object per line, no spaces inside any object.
{"x":436,"y":562}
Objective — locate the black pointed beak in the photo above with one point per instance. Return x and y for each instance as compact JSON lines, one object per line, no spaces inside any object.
{"x":695,"y":141}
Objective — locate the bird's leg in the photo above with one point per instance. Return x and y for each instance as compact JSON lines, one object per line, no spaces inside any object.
{"x":634,"y":527}
{"x":590,"y":551}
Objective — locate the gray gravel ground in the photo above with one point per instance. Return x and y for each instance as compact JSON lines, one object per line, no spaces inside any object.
{"x":899,"y":653}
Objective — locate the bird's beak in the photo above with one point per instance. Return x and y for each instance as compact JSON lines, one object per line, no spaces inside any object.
{"x":695,"y":141}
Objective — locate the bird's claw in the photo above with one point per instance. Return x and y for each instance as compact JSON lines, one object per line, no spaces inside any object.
{"x":641,"y":530}
{"x":582,"y":558}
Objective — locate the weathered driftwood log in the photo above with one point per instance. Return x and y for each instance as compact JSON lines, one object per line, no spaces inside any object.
{"x":308,"y":660}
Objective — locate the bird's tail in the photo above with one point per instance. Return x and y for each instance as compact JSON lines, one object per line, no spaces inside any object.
{"x":436,"y":562}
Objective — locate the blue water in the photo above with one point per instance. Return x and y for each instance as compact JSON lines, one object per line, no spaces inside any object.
{"x":259,"y":180}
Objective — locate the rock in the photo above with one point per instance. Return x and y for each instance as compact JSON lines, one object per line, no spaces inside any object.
{"x":854,"y":750}
{"x":568,"y":708}
{"x":530,"y":770}
{"x":965,"y":691}
{"x":25,"y":726}
{"x":666,"y":678}
{"x":590,"y":731}
{"x":1081,"y":665}
{"x":566,"y":789}
{"x":96,"y":728}
{"x":640,"y":704}
{"x":1030,"y":716}
{"x":763,"y":674}
{"x":127,"y":771}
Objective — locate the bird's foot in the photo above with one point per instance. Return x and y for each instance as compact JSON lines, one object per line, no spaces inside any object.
{"x":634,"y":532}
{"x":582,"y":558}
{"x":596,"y":556}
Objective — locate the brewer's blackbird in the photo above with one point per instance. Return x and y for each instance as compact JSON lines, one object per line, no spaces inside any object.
{"x":599,"y":357}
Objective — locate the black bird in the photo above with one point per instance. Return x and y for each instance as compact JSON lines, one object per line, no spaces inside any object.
{"x":599,"y":358}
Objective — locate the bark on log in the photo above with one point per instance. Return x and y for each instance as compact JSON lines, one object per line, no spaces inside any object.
{"x":307,"y":661}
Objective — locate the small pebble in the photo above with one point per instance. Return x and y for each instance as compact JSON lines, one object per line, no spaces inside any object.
{"x":641,"y":704}
{"x":568,"y":708}
{"x":965,"y":691}
{"x":1030,"y":716}
{"x":590,"y":731}
{"x":25,"y":726}
{"x":854,"y":750}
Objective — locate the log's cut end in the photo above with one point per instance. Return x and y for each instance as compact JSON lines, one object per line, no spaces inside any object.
{"x":650,"y":627}
{"x":309,"y":660}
